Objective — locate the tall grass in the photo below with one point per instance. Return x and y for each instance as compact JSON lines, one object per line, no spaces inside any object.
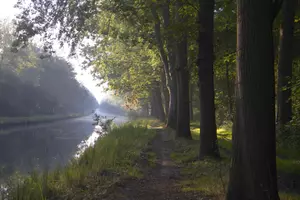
{"x":111,"y":158}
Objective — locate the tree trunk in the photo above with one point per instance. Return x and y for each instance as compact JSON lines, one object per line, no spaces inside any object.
{"x":191,"y":102}
{"x":165,"y":93}
{"x":172,"y":115}
{"x":172,"y":119}
{"x":208,"y":136}
{"x":183,"y":111}
{"x":157,"y":103}
{"x":145,"y":109}
{"x":286,"y":62}
{"x":153,"y":109}
{"x":253,"y":173}
{"x":170,"y":79}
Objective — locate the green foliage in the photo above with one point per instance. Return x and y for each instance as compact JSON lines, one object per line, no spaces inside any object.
{"x":129,"y":71}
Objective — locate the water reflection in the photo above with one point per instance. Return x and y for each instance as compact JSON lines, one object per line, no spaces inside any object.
{"x":47,"y":146}
{"x":89,"y":142}
{"x":98,"y":132}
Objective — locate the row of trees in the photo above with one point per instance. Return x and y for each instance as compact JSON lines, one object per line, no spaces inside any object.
{"x":33,"y":86}
{"x":153,"y":53}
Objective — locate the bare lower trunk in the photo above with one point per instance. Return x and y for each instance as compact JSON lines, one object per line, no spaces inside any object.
{"x":253,"y":172}
{"x":286,"y":63}
{"x":208,"y":136}
{"x":157,"y":105}
{"x":172,"y":115}
{"x":145,"y":110}
{"x":191,"y":102}
{"x":165,"y":92}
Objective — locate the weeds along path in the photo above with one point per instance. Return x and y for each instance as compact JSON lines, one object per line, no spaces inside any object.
{"x":160,"y":182}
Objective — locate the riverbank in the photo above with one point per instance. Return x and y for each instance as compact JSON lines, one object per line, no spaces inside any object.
{"x":97,"y":171}
{"x":141,"y":161}
{"x":9,"y":122}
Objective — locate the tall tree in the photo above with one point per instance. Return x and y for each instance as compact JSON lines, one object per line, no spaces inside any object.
{"x":286,"y":62}
{"x":168,"y":60}
{"x":208,"y":136}
{"x":183,"y":111}
{"x":253,"y":173}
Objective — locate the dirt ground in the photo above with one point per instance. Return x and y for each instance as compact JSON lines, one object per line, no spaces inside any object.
{"x":159,"y":182}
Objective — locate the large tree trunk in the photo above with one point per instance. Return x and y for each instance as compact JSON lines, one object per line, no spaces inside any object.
{"x":286,"y":62}
{"x":253,"y":172}
{"x":191,"y":101}
{"x":208,"y":136}
{"x":183,"y":111}
{"x":170,"y":74}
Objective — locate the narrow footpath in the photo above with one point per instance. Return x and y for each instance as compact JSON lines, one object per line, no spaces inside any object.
{"x":159,"y":182}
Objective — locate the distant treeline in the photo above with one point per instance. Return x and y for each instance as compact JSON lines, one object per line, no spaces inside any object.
{"x":30,"y":85}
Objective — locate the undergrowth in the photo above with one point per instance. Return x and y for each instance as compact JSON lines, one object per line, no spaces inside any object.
{"x":211,"y":176}
{"x":110,"y":160}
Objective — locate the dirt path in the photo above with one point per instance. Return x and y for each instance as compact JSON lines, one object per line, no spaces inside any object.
{"x":159,"y":182}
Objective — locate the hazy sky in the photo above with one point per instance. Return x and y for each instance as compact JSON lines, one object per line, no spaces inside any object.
{"x":8,"y":11}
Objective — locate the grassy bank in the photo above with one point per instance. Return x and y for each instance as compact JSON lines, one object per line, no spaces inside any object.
{"x":211,"y":176}
{"x":95,"y":172}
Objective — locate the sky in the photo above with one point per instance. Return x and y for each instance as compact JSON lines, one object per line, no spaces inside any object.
{"x":7,"y":11}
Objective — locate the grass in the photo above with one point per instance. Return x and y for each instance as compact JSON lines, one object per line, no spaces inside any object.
{"x":211,"y":176}
{"x":112,"y":159}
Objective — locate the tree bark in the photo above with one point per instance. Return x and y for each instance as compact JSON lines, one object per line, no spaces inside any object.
{"x":208,"y":136}
{"x":172,"y":119}
{"x":253,"y":173}
{"x":191,"y":102}
{"x":165,"y":93}
{"x":157,"y":106}
{"x":183,"y":111}
{"x":285,"y":64}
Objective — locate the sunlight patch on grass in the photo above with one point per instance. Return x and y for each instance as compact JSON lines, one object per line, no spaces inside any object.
{"x":288,"y":165}
{"x":224,"y":136}
{"x":288,"y":196}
